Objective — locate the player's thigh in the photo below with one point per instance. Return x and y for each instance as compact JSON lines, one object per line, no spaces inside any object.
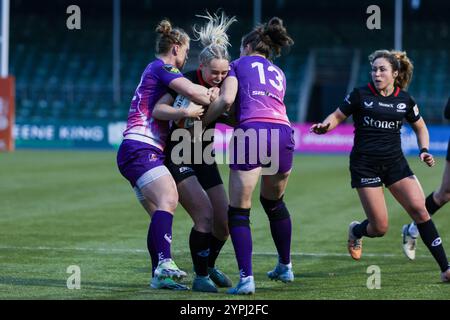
{"x":196,"y":202}
{"x":274,"y":186}
{"x":149,"y":206}
{"x":219,"y":201}
{"x":409,"y":193}
{"x":161,"y":193}
{"x":241,"y":186}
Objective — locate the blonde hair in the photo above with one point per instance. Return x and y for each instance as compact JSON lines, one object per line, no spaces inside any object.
{"x":213,"y":37}
{"x":399,"y":62}
{"x":168,"y":36}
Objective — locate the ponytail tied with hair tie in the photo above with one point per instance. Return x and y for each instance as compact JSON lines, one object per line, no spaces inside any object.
{"x":275,"y":21}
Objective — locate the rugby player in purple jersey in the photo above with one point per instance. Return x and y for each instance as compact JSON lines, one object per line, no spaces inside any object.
{"x":257,"y":88}
{"x":141,"y":155}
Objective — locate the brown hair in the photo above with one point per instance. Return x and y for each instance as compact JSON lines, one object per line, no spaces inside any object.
{"x":399,"y":62}
{"x":168,"y":36}
{"x":269,"y":38}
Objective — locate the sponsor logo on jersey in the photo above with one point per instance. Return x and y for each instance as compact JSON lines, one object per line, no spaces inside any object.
{"x":171,"y":69}
{"x":386,"y":105}
{"x":370,"y":122}
{"x":365,"y":181}
{"x":368,"y":104}
{"x":416,"y":110}
{"x":152,"y":157}
{"x":401,"y":107}
{"x":436,"y":242}
{"x":267,"y":94}
{"x":258,"y":93}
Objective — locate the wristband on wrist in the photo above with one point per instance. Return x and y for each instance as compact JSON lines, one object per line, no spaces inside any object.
{"x":423,"y":150}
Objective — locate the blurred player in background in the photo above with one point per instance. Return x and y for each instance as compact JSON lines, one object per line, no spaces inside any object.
{"x":141,"y":155}
{"x":433,"y":203}
{"x":200,"y":187}
{"x":259,"y":86}
{"x":378,"y":111}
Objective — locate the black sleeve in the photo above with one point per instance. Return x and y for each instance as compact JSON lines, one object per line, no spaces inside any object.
{"x":173,"y":93}
{"x":190,"y":75}
{"x":447,"y":110}
{"x":413,"y":114}
{"x":351,"y":103}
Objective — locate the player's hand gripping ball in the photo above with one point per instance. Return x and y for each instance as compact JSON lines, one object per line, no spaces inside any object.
{"x":184,"y":103}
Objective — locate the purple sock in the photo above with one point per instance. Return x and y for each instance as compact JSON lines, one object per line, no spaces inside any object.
{"x":242,"y":243}
{"x":151,"y":250}
{"x":280,"y":226}
{"x":281,"y":234}
{"x":161,"y":234}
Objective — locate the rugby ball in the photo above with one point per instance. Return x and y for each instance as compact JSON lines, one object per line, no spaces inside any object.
{"x":183,"y":102}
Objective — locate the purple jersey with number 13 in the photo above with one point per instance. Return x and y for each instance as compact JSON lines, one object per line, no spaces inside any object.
{"x":261,"y":90}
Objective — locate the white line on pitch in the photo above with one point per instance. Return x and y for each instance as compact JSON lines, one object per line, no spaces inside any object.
{"x":256,"y":253}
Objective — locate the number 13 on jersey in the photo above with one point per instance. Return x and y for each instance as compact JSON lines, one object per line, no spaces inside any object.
{"x":278,"y":84}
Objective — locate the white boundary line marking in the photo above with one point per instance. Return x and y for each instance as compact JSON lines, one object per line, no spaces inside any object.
{"x":137,"y":251}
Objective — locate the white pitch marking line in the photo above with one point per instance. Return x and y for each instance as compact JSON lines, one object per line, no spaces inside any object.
{"x":118,"y":250}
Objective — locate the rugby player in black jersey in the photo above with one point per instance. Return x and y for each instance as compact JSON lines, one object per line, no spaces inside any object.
{"x":378,"y":111}
{"x":433,"y":202}
{"x":200,"y":187}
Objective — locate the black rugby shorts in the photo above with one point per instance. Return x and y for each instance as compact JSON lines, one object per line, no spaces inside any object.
{"x":367,"y":173}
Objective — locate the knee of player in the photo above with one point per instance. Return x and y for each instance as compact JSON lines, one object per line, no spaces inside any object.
{"x":169,"y":202}
{"x":420,"y":214}
{"x":238,"y":217}
{"x":380,"y":230}
{"x":221,"y":230}
{"x":206,"y":222}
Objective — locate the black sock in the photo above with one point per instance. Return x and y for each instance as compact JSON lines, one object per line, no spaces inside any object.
{"x":215,"y":245}
{"x":199,"y":245}
{"x":360,"y":230}
{"x":431,"y":238}
{"x":431,"y":206}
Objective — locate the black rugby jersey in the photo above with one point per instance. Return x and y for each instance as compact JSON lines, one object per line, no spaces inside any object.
{"x":196,"y":77}
{"x":378,"y":120}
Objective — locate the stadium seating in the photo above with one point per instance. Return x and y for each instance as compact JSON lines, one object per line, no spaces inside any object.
{"x":69,"y":75}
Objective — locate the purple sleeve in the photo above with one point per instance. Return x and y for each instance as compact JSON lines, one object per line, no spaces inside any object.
{"x":167,"y":73}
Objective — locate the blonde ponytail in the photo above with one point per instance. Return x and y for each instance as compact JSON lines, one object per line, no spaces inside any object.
{"x":213,"y":37}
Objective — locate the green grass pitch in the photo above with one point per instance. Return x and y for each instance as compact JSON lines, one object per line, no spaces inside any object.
{"x":59,"y":209}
